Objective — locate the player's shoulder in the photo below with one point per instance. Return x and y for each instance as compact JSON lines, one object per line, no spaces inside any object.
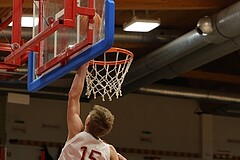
{"x":112,"y":147}
{"x":113,"y":152}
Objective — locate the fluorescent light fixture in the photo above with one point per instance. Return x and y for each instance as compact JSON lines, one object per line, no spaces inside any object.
{"x":28,"y":22}
{"x":141,"y":25}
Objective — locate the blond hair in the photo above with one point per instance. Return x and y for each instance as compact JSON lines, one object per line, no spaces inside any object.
{"x":101,"y":121}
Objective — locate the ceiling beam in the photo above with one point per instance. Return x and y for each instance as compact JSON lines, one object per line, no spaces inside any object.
{"x":153,"y":4}
{"x":5,"y":3}
{"x":171,"y":4}
{"x":9,"y":3}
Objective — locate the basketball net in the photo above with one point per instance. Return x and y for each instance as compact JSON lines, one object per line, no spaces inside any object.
{"x":105,"y":76}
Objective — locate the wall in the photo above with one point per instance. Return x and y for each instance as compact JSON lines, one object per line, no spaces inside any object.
{"x":146,"y":127}
{"x":2,"y":118}
{"x":226,"y":135}
{"x":41,"y":121}
{"x":171,"y":122}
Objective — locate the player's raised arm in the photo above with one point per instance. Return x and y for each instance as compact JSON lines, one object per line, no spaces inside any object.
{"x":74,"y":122}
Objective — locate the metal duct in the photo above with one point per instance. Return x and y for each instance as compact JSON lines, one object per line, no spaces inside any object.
{"x":226,"y":24}
{"x":7,"y":33}
{"x":205,"y":95}
{"x":204,"y":56}
{"x":162,"y":35}
{"x":172,"y":51}
{"x":228,"y":20}
{"x":187,"y":63}
{"x":48,"y":93}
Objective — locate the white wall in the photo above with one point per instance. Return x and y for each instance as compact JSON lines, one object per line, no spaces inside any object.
{"x":226,"y":135}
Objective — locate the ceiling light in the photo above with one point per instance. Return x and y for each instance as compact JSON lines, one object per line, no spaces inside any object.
{"x":141,"y":25}
{"x":28,"y":22}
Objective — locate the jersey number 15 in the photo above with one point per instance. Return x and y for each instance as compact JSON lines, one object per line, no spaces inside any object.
{"x":93,"y":154}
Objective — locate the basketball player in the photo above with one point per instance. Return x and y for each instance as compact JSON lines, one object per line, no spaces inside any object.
{"x":83,"y":141}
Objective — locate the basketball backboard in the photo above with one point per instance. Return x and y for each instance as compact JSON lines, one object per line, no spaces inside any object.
{"x":74,"y":31}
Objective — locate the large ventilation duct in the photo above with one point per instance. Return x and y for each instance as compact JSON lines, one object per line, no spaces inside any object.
{"x":203,"y":56}
{"x":172,"y":51}
{"x":187,"y":63}
{"x":162,"y":35}
{"x":225,"y":26}
{"x":7,"y":33}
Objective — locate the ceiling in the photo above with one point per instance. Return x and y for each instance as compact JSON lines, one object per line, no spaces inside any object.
{"x":221,"y":75}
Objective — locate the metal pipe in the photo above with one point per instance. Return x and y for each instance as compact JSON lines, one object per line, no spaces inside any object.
{"x":197,"y":94}
{"x":38,"y":92}
{"x":161,"y":35}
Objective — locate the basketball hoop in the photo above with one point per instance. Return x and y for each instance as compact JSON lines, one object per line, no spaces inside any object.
{"x":106,"y":73}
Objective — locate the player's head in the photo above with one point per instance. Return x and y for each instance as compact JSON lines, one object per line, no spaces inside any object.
{"x":99,"y":121}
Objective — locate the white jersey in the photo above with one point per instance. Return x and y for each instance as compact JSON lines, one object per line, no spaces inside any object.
{"x":84,"y":146}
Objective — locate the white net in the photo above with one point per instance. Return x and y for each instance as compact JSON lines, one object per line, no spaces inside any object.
{"x":105,"y":77}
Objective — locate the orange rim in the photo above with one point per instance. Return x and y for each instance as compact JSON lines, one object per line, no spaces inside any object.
{"x":111,"y":50}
